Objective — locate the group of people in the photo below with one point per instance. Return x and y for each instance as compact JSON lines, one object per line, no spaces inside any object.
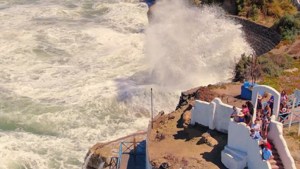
{"x":245,"y":115}
{"x":259,"y":129}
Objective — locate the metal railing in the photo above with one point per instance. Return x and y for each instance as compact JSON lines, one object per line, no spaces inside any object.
{"x":294,"y":116}
{"x":125,"y":148}
{"x":113,"y":163}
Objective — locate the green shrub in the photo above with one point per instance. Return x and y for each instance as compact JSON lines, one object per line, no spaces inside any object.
{"x":288,"y":27}
{"x":253,"y":12}
{"x":269,"y":67}
{"x":265,"y":65}
{"x":242,"y":71}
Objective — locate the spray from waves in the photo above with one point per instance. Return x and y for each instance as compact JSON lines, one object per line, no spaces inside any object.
{"x":72,"y":74}
{"x":188,"y":46}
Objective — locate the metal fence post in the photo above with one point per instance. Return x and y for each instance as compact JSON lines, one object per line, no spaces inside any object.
{"x":151,"y":110}
{"x":292,"y":113}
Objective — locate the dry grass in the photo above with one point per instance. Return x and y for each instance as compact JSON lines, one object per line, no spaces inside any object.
{"x":288,"y":81}
{"x":293,"y":142}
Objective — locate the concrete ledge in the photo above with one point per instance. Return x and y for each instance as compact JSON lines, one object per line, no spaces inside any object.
{"x":233,"y":159}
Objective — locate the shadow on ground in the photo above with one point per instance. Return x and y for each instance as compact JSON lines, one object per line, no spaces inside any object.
{"x":214,"y":155}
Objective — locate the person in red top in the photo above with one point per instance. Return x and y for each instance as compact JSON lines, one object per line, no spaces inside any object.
{"x":245,"y":109}
{"x":268,"y":145}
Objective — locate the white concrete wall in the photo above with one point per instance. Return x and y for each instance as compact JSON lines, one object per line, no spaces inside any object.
{"x":203,"y":113}
{"x":215,"y":115}
{"x":222,"y":115}
{"x":263,"y":88}
{"x":239,"y":138}
{"x":275,"y":135}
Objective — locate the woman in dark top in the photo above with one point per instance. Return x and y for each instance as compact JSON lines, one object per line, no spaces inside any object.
{"x":259,"y":107}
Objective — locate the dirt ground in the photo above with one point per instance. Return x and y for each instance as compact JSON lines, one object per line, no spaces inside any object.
{"x":292,"y":49}
{"x":293,"y":142}
{"x":181,"y":148}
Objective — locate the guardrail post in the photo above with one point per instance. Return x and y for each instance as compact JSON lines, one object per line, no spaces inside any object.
{"x":292,"y":113}
{"x":151,"y":110}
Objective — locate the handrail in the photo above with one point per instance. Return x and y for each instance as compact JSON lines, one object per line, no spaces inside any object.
{"x":125,"y":151}
{"x":120,"y":156}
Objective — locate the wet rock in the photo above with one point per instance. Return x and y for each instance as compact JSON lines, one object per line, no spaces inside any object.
{"x":93,"y":161}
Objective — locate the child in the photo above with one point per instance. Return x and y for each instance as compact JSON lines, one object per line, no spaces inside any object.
{"x":255,"y":135}
{"x":266,"y":152}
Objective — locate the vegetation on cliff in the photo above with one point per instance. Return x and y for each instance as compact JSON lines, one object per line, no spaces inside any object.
{"x":288,"y":27}
{"x":253,"y":9}
{"x":265,"y":65}
{"x":279,"y":70}
{"x":280,"y":14}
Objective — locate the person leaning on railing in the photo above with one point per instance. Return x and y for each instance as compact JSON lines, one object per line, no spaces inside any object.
{"x":237,"y":116}
{"x":284,"y":111}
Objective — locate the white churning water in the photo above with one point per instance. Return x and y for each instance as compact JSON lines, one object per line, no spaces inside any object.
{"x":73,"y":73}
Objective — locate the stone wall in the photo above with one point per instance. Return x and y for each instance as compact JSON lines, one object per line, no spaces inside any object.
{"x":261,"y":38}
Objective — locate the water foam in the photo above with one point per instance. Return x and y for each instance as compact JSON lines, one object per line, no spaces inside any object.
{"x":63,"y":67}
{"x":191,"y":46}
{"x":73,"y":73}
